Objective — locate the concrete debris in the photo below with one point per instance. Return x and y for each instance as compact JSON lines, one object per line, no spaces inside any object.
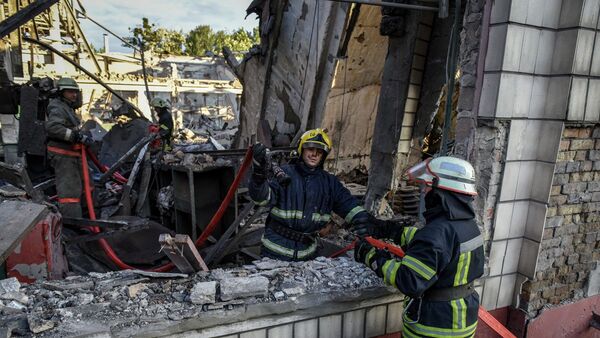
{"x":121,"y":299}
{"x":38,"y":325}
{"x":243,"y":287}
{"x":134,"y":290}
{"x":64,"y":285}
{"x":85,"y":298}
{"x":16,"y":306}
{"x":185,"y":156}
{"x":204,"y":293}
{"x":270,"y":264}
{"x":159,"y":274}
{"x":165,"y":198}
{"x":9,"y":285}
{"x":19,"y":297}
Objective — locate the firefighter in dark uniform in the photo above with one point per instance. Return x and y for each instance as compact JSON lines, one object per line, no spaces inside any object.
{"x":165,"y":121}
{"x":442,"y":259}
{"x":304,"y":206}
{"x":64,"y":146}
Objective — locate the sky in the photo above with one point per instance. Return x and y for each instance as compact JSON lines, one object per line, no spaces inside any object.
{"x":120,"y":15}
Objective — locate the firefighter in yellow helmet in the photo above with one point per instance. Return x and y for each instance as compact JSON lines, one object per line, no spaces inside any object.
{"x":303,"y":206}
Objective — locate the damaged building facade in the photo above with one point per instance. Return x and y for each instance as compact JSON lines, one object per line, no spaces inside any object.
{"x":524,"y":112}
{"x":203,"y":91}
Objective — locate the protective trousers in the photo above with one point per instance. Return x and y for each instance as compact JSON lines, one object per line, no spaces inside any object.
{"x":69,"y":186}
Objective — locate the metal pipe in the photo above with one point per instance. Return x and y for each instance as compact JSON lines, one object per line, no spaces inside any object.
{"x":85,"y":16}
{"x":88,"y":73}
{"x":390,"y":4}
{"x":145,"y":75}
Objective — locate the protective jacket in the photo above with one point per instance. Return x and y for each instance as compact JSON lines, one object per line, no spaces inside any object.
{"x":444,"y":256}
{"x":303,"y":206}
{"x":64,"y":153}
{"x":62,"y":124}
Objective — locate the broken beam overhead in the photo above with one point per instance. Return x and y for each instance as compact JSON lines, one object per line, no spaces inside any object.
{"x":23,"y":16}
{"x":87,"y":72}
{"x":390,"y":4}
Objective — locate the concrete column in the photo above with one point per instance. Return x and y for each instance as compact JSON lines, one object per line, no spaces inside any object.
{"x":392,"y":100}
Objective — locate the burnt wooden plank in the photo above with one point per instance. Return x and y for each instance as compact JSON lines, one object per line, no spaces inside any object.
{"x":17,"y":218}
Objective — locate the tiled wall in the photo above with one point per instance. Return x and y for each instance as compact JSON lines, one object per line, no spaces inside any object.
{"x":416,"y":79}
{"x":542,"y":68}
{"x":368,"y":320}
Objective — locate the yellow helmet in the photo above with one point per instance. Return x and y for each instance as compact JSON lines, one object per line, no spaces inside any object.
{"x":315,"y":138}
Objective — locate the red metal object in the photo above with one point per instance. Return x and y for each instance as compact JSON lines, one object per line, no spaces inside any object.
{"x":391,"y":248}
{"x":395,"y":250}
{"x":157,"y":143}
{"x":40,"y":255}
{"x":205,"y":234}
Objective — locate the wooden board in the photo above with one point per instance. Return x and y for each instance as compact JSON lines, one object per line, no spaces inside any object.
{"x":17,"y":218}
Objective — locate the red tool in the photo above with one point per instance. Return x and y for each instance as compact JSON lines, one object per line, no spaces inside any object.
{"x":395,"y":250}
{"x":389,"y":247}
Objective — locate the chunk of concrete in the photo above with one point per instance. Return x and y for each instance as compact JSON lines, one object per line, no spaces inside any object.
{"x":204,"y":293}
{"x":134,"y":290}
{"x":242,"y":287}
{"x":85,"y":298}
{"x":16,"y":306}
{"x":9,"y":285}
{"x":38,"y":325}
{"x":270,"y":264}
{"x":19,"y":297}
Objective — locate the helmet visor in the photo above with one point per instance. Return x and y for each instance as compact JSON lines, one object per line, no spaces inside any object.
{"x":316,"y":144}
{"x":416,"y":172}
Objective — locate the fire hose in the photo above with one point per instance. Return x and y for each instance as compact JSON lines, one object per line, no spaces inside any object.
{"x":395,"y":250}
{"x":485,"y":316}
{"x":201,"y":240}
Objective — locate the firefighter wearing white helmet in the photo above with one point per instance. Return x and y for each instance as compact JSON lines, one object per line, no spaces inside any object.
{"x":304,"y":206}
{"x":442,"y":259}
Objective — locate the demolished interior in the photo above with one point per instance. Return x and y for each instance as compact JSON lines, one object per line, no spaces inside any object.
{"x":169,"y":244}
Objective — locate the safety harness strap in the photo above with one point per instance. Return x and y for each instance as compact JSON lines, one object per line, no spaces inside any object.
{"x":448,"y":294}
{"x":291,"y":234}
{"x":64,"y":152}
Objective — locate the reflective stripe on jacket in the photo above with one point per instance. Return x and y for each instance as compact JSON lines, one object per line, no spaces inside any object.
{"x":304,"y":205}
{"x":443,"y":254}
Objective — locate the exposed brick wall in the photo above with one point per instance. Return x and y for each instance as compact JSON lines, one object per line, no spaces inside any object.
{"x":491,"y":139}
{"x":571,"y":242}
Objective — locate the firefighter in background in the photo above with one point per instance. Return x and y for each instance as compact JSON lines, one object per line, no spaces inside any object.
{"x":165,"y":121}
{"x":302,"y":207}
{"x":442,"y":259}
{"x":64,"y":144}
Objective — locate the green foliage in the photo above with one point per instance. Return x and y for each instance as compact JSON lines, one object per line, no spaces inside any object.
{"x":158,"y":40}
{"x":196,"y":42}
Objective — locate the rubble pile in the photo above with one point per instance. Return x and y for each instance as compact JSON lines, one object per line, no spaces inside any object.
{"x":194,"y":161}
{"x":218,"y":123}
{"x":133,"y":298}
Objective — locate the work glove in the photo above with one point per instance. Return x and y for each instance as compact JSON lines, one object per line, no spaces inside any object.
{"x":86,"y":140}
{"x":372,"y":257}
{"x":260,"y":168}
{"x":82,"y":138}
{"x":377,"y":228}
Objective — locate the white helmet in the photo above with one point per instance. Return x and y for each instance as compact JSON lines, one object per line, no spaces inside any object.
{"x":445,"y":172}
